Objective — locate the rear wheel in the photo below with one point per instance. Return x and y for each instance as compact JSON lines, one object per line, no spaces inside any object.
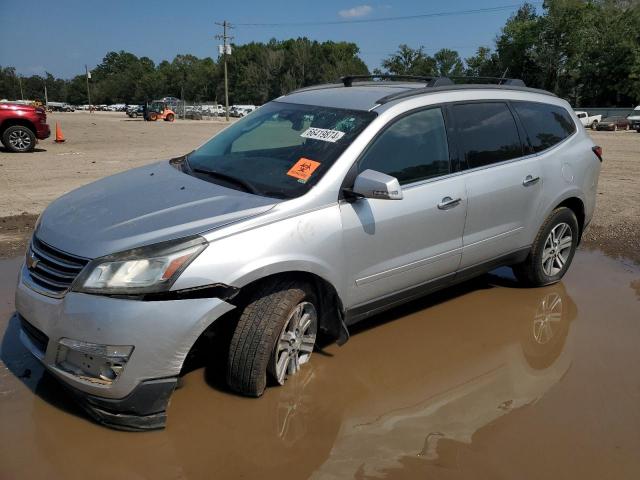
{"x":19,"y":139}
{"x":552,"y":250}
{"x":153,"y":116}
{"x":594,"y":125}
{"x":275,"y":336}
{"x":170,"y":117}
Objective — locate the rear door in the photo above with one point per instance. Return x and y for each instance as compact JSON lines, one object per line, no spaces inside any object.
{"x":503,"y":181}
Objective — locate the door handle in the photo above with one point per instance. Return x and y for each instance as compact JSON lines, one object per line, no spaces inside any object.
{"x":530,"y":180}
{"x":448,"y":202}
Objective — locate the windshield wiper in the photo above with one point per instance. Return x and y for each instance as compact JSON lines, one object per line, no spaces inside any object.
{"x":246,"y":186}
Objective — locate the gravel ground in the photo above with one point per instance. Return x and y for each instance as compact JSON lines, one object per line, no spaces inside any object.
{"x":104,"y":143}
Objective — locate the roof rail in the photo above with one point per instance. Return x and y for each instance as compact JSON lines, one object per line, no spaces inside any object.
{"x":348,"y":80}
{"x":435,"y":81}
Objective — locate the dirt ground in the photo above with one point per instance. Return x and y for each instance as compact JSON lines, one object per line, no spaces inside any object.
{"x":104,"y":143}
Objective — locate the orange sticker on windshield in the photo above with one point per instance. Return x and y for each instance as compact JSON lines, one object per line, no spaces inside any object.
{"x":303,"y":169}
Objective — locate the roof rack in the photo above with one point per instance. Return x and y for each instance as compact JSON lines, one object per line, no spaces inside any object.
{"x":348,"y":80}
{"x":434,"y":81}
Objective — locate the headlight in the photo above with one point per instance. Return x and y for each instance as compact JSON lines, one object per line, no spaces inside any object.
{"x":142,"y":270}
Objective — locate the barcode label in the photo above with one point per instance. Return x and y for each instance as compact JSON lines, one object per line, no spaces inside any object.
{"x":323,"y":134}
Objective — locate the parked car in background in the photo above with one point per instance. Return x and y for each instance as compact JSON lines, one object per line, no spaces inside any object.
{"x":613,"y":124}
{"x":308,"y":216}
{"x":60,"y":107}
{"x":589,"y":121}
{"x":634,"y":119}
{"x":241,"y":110}
{"x":21,"y":126}
{"x":135,"y":111}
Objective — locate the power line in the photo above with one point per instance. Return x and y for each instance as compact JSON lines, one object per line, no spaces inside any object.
{"x":388,"y":19}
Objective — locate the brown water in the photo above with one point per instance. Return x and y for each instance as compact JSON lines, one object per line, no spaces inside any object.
{"x":485,"y":380}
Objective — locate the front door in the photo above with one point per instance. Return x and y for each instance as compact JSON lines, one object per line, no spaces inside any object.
{"x":395,"y":245}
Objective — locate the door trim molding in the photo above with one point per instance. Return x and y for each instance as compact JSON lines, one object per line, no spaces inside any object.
{"x":364,"y":310}
{"x":409,"y":266}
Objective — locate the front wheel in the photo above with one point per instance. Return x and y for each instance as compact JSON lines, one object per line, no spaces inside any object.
{"x":552,"y":250}
{"x":170,"y":117}
{"x":594,"y":125}
{"x":275,"y":336}
{"x":19,"y":139}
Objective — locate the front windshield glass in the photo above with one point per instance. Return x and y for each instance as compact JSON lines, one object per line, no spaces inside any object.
{"x":279,"y":150}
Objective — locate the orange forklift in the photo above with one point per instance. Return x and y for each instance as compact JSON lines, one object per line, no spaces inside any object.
{"x":159,"y":110}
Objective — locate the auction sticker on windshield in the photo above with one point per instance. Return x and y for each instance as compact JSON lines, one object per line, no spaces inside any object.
{"x":303,"y":169}
{"x":322,"y":134}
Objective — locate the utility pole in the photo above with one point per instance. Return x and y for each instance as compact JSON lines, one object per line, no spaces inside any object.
{"x":46,"y":98}
{"x":86,"y":70}
{"x":225,"y":49}
{"x":20,"y":82}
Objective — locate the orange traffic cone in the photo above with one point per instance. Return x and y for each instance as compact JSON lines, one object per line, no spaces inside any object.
{"x":59,"y":135}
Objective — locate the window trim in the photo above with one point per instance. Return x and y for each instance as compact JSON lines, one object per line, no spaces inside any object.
{"x":353,"y":170}
{"x":525,"y":149}
{"x":575,"y":126}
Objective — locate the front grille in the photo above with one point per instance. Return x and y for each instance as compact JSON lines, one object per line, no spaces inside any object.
{"x":38,"y":338}
{"x":51,"y":269}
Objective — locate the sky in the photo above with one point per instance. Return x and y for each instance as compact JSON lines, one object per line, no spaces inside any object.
{"x":61,"y":37}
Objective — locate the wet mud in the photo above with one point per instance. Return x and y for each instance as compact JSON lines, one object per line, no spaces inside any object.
{"x":483,"y":380}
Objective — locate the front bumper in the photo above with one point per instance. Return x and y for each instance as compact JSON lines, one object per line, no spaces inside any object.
{"x":161,"y":332}
{"x":43,"y":131}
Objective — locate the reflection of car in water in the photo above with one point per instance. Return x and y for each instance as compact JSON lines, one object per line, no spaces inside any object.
{"x":478,"y":369}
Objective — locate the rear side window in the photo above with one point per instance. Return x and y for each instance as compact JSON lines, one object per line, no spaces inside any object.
{"x":413,"y":148}
{"x":545,"y":125}
{"x":487,"y":133}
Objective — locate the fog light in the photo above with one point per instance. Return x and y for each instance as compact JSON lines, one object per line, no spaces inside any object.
{"x":92,"y":362}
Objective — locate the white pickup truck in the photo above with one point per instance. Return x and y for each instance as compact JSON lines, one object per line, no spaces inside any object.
{"x":589,"y":121}
{"x":634,"y":119}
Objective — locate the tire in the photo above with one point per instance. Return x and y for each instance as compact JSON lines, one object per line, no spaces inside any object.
{"x":262,"y":330}
{"x":594,"y":125}
{"x":19,"y":139}
{"x":170,"y":118}
{"x":153,"y":116}
{"x":532,"y":272}
{"x":615,"y":128}
{"x":133,"y":115}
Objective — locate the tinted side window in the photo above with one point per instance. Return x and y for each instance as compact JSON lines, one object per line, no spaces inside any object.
{"x":545,"y":125}
{"x":413,"y":148}
{"x":487,"y":133}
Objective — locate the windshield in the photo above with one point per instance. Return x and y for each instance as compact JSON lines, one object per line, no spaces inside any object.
{"x":279,"y":150}
{"x":635,"y":113}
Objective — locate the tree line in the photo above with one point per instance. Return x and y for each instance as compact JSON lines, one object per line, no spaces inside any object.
{"x":587,"y":51}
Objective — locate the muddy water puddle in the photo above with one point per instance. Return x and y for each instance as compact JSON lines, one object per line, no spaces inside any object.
{"x":484,"y":380}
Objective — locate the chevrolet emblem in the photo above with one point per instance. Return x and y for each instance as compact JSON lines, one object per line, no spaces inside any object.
{"x":32,"y":261}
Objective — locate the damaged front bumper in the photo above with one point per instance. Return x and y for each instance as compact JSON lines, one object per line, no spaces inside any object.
{"x":119,"y":357}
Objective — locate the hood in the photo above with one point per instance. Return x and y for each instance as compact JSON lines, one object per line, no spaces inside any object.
{"x":18,"y":107}
{"x":141,"y":207}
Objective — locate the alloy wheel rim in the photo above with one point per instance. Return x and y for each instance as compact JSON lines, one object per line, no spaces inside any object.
{"x":557,"y":249}
{"x":548,"y":314}
{"x":296,"y":341}
{"x":19,"y":140}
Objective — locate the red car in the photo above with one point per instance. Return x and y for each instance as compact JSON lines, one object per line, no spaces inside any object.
{"x":21,"y":125}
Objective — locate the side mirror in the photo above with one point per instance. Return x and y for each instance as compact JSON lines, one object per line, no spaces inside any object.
{"x":374,"y":184}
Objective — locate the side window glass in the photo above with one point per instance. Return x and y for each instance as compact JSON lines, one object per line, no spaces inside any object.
{"x":413,"y":148}
{"x":487,"y":133}
{"x":546,"y":125}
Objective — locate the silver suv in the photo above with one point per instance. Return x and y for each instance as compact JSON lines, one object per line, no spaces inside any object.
{"x":319,"y":209}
